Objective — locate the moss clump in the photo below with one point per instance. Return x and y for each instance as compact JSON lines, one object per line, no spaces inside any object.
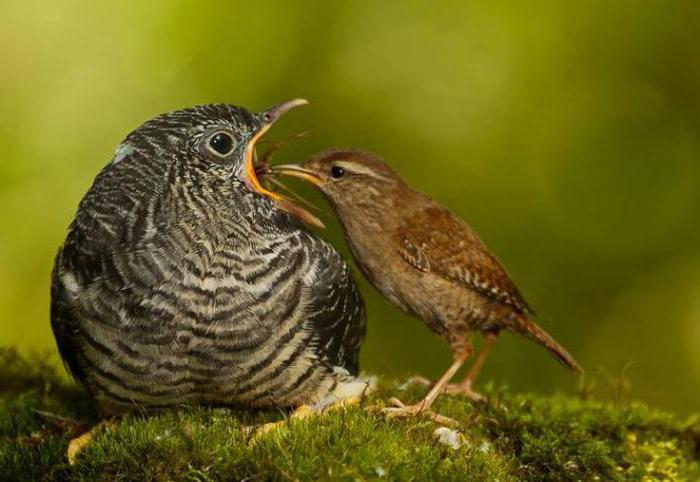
{"x":509,"y":438}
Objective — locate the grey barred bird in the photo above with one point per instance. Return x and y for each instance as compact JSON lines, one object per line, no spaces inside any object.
{"x":182,"y":280}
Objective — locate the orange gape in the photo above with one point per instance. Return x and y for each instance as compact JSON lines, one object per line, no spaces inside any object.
{"x":282,"y":202}
{"x":250,"y":166}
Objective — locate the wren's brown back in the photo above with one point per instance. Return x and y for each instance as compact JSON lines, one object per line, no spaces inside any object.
{"x":433,"y":240}
{"x":466,"y":261}
{"x":418,"y":254}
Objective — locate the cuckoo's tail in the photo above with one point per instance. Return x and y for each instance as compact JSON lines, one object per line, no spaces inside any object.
{"x":531,"y":330}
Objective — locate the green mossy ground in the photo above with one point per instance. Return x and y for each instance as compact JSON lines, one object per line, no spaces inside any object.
{"x":512,"y":437}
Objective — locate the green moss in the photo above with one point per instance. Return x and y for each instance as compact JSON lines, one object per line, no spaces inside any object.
{"x":521,"y":437}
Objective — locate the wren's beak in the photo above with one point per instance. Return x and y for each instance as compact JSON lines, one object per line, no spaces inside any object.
{"x":295,"y":170}
{"x":269,"y":117}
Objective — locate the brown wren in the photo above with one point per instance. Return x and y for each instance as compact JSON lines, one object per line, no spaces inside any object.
{"x":425,"y":260}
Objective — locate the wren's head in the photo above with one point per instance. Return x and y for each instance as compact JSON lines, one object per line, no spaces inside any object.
{"x":207,"y":150}
{"x":355,"y":182}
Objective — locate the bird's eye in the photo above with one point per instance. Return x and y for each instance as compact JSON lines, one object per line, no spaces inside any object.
{"x":337,"y":172}
{"x":221,"y":144}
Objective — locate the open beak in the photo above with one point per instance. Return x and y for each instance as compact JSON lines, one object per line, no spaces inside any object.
{"x":269,"y":117}
{"x":295,"y":170}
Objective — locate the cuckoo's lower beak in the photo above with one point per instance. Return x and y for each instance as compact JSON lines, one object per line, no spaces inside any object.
{"x":295,"y":170}
{"x":268,"y":118}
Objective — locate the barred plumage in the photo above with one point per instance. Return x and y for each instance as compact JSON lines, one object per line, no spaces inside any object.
{"x":180,"y":283}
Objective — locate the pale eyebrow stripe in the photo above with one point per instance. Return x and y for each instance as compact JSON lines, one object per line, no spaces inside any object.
{"x":359,"y":168}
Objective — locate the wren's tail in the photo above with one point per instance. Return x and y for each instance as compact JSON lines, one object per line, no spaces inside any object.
{"x":530,"y":329}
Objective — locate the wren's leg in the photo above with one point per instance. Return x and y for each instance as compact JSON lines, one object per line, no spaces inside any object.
{"x":465,"y":386}
{"x":401,"y":410}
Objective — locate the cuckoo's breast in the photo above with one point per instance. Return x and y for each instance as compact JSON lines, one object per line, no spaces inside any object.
{"x":227,"y":324}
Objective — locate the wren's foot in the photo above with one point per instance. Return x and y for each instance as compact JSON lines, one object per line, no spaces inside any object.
{"x":464,"y":389}
{"x":301,"y":413}
{"x":399,"y":410}
{"x":76,"y":445}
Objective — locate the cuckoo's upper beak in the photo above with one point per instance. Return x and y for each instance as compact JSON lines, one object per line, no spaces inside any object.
{"x":295,"y":170}
{"x":268,"y":118}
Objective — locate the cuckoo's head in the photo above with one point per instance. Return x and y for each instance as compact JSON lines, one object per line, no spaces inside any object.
{"x":211,"y":146}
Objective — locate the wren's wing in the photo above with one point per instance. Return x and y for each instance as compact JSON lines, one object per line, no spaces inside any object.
{"x":435,"y":241}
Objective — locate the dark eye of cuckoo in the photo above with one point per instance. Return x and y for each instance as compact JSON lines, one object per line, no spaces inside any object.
{"x":337,"y":172}
{"x":220,"y":144}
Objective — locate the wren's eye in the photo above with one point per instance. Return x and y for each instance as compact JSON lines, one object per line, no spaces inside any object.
{"x":221,"y":144}
{"x":337,"y":172}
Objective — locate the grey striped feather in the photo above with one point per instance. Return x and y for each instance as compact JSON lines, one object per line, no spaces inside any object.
{"x":177,"y":284}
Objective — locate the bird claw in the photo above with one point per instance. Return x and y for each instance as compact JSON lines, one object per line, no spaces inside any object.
{"x":302,"y":412}
{"x":395,"y":403}
{"x":464,"y":389}
{"x":78,"y":444}
{"x":400,"y":410}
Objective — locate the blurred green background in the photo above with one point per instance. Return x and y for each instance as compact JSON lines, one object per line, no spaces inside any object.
{"x":566,"y":133}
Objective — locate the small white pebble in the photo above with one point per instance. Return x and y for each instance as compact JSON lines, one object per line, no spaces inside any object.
{"x":450,"y":437}
{"x":485,"y":447}
{"x":380,"y":471}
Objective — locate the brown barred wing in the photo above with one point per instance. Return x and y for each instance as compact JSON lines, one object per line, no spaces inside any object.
{"x":434,"y":240}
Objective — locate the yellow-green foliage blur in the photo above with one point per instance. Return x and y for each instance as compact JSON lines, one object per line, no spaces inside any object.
{"x":566,"y":133}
